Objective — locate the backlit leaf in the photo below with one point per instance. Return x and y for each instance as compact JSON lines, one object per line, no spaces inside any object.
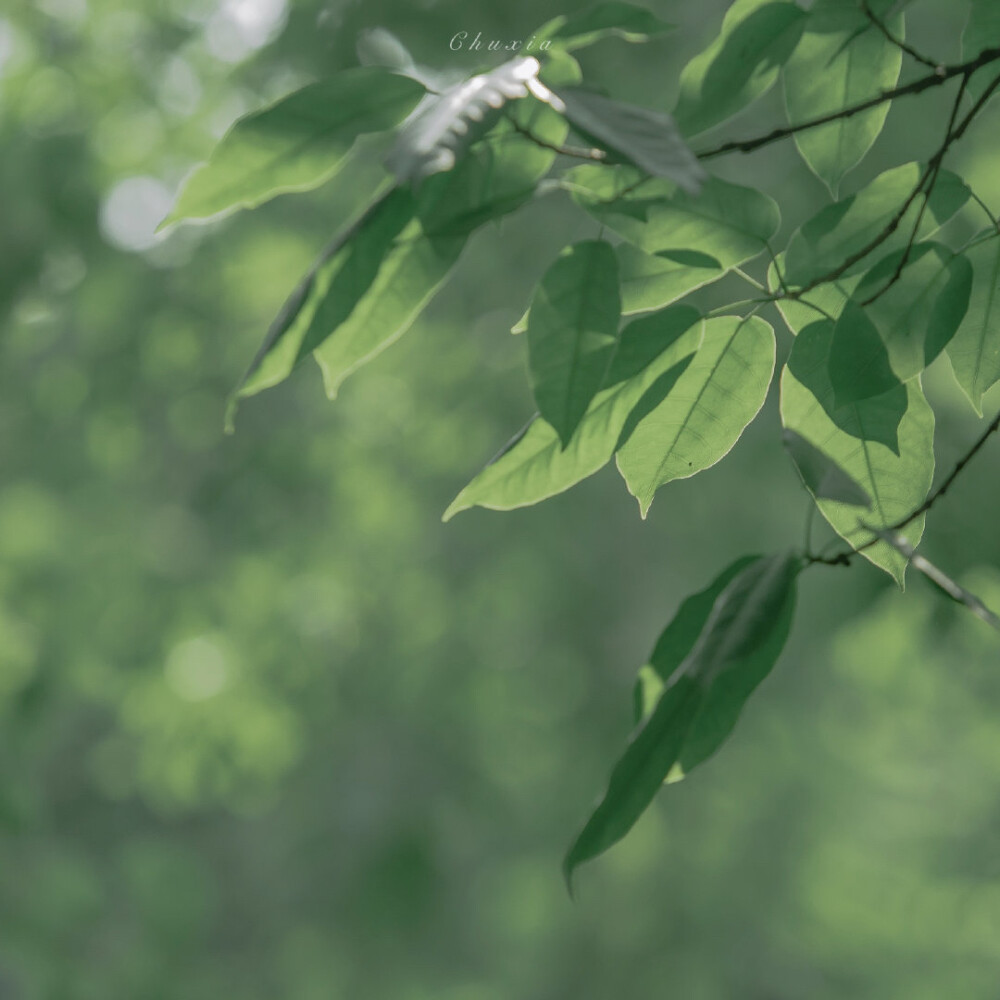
{"x":297,"y":143}
{"x":836,"y":65}
{"x":974,"y":351}
{"x":603,"y":20}
{"x":885,"y":444}
{"x":698,"y":423}
{"x":572,"y":330}
{"x":822,"y":476}
{"x":741,"y":63}
{"x":652,"y":350}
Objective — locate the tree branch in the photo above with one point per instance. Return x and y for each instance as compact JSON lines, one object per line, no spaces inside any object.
{"x":940,"y":76}
{"x":898,"y":42}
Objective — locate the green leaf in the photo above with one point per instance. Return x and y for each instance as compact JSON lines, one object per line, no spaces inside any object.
{"x":836,"y":65}
{"x":677,"y":640}
{"x":603,"y":20}
{"x":740,"y":65}
{"x":974,"y":351}
{"x":727,"y":223}
{"x":534,"y":466}
{"x":648,"y":139}
{"x":885,"y":444}
{"x":297,"y":143}
{"x":905,"y":328}
{"x":737,"y":646}
{"x":846,"y":227}
{"x":325,"y":298}
{"x":822,"y":476}
{"x":572,"y":330}
{"x":435,"y":139}
{"x":982,"y":31}
{"x":652,"y":281}
{"x":698,"y":423}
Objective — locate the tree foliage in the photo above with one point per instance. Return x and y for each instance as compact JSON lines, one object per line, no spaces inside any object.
{"x":871,"y":289}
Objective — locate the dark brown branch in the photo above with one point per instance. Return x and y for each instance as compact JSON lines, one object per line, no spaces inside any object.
{"x":935,"y":79}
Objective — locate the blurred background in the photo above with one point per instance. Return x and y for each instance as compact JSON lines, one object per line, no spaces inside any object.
{"x":268,"y":728}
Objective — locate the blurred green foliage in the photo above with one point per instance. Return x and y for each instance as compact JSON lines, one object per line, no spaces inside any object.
{"x":268,"y":728}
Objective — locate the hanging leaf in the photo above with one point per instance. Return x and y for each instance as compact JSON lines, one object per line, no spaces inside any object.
{"x":855,"y":64}
{"x":885,"y":444}
{"x":974,"y":351}
{"x":653,"y":350}
{"x":735,"y":649}
{"x":433,"y":140}
{"x":727,"y":224}
{"x":648,"y":139}
{"x":825,"y":301}
{"x":603,"y":20}
{"x":821,"y":475}
{"x":848,"y":226}
{"x":698,"y":423}
{"x":572,"y":330}
{"x":297,"y":143}
{"x":740,"y":65}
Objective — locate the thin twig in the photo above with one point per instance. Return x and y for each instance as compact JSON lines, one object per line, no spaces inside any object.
{"x":898,"y":42}
{"x":578,"y":152}
{"x":935,"y":165}
{"x":935,"y":79}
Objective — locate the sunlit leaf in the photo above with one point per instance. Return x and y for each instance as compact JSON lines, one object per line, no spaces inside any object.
{"x":648,"y":139}
{"x":652,"y":281}
{"x":740,"y":64}
{"x":838,"y":63}
{"x":735,"y":649}
{"x":845,"y":228}
{"x":698,"y":423}
{"x":974,"y":351}
{"x":572,"y":330}
{"x":726,"y":224}
{"x":297,"y":143}
{"x":885,"y":444}
{"x":822,"y":476}
{"x":652,"y":350}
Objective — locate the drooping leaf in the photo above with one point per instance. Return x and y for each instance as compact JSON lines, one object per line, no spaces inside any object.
{"x":848,"y":226}
{"x":702,"y":701}
{"x":741,"y":63}
{"x":433,"y":140}
{"x":726,"y":223}
{"x":572,"y":330}
{"x":974,"y":351}
{"x":652,"y":281}
{"x":906,"y":327}
{"x":297,"y":143}
{"x":648,"y":139}
{"x":982,"y":31}
{"x":838,"y":63}
{"x":652,"y":350}
{"x":885,"y":444}
{"x":822,"y":476}
{"x":698,"y":423}
{"x":677,"y":640}
{"x":603,"y":20}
